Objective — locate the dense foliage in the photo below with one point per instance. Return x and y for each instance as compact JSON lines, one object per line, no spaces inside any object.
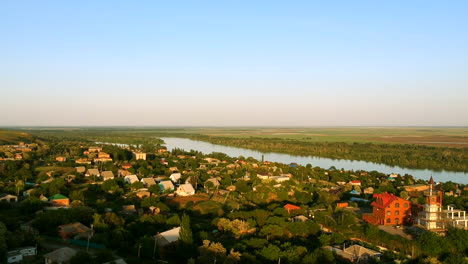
{"x":404,"y":155}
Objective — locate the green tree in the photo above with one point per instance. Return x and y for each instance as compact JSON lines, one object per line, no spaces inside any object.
{"x":185,"y":244}
{"x":185,"y":233}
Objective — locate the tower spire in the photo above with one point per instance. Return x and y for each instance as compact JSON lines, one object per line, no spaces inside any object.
{"x":431,"y":183}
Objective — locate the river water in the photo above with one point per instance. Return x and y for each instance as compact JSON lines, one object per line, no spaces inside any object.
{"x":205,"y":147}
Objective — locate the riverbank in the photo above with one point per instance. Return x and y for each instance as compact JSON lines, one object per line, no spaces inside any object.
{"x":206,"y":147}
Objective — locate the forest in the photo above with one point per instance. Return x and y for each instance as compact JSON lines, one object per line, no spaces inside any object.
{"x":403,"y":155}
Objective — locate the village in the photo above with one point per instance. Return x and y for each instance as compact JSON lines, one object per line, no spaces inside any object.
{"x":74,"y":202}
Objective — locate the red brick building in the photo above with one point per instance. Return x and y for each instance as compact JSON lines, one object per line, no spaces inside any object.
{"x":389,"y":209}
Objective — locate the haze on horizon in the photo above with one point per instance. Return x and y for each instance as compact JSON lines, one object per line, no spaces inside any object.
{"x":240,"y":63}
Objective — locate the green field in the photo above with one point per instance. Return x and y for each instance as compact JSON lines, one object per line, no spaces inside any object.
{"x":430,"y":136}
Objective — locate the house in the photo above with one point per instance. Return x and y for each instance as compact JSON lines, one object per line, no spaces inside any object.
{"x":126,"y":166}
{"x":94,"y":149}
{"x":82,"y":161}
{"x":291,"y":207}
{"x":167,"y":237}
{"x":61,"y":159}
{"x":18,"y":156}
{"x":356,"y":253}
{"x":166,"y":186}
{"x":214,"y":181}
{"x":18,"y":254}
{"x":92,"y":172}
{"x":74,"y":231}
{"x":175,"y":177}
{"x":280,"y":178}
{"x":173,"y":169}
{"x":147,"y":182}
{"x":263,"y":176}
{"x":369,"y":190}
{"x":28,"y":192}
{"x":355,"y":183}
{"x":185,"y":190}
{"x":416,"y":188}
{"x":60,"y":256}
{"x":130,"y":179}
{"x":300,"y":218}
{"x":129,"y":209}
{"x":354,"y":192}
{"x":342,"y":204}
{"x":139,"y":155}
{"x":123,"y":173}
{"x":8,"y":198}
{"x":59,"y":200}
{"x":107,"y":175}
{"x":212,"y":160}
{"x":80,"y":169}
{"x":142,"y":193}
{"x":103,"y":157}
{"x":388,"y":209}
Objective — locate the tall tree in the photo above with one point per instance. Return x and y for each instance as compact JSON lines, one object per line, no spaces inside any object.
{"x":185,"y":233}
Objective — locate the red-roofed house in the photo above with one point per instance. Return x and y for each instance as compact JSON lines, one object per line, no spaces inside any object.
{"x":388,"y":209}
{"x":291,"y":207}
{"x":355,"y":183}
{"x":126,"y":166}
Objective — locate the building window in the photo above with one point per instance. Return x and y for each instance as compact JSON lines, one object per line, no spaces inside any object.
{"x":388,"y":220}
{"x":397,"y":212}
{"x":397,"y":221}
{"x":389,"y":213}
{"x":405,"y":205}
{"x":397,"y":205}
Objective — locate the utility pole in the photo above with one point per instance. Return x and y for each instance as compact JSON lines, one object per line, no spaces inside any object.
{"x":89,"y":237}
{"x":139,"y":247}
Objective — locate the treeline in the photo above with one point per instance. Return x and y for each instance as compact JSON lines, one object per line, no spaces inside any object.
{"x":403,"y":155}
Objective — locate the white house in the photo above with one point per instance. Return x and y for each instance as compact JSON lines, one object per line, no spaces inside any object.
{"x":185,"y":190}
{"x":175,"y":177}
{"x":18,"y":254}
{"x":131,"y":179}
{"x":8,"y":197}
{"x":168,"y":236}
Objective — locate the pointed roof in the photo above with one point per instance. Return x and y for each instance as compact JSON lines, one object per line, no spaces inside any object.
{"x":431,"y":181}
{"x":385,"y":199}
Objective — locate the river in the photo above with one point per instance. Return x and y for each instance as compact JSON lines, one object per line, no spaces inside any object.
{"x":205,"y":147}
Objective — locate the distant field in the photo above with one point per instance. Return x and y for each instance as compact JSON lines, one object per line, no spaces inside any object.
{"x":13,"y":137}
{"x":443,"y":137}
{"x":430,"y":136}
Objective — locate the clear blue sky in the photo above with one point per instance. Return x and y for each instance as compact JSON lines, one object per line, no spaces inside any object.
{"x":276,"y":63}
